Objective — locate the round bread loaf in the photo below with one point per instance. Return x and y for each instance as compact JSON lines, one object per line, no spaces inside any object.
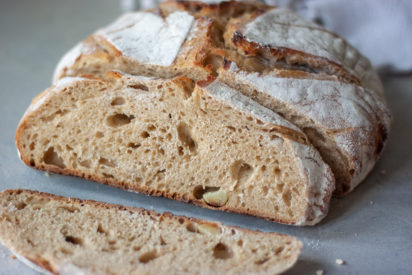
{"x":309,"y":75}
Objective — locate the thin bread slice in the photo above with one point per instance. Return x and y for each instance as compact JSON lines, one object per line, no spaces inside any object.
{"x":71,"y":236}
{"x":207,"y":144}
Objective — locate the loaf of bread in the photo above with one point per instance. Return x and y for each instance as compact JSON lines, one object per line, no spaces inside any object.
{"x":204,"y":143}
{"x":70,"y":236}
{"x":308,"y":75}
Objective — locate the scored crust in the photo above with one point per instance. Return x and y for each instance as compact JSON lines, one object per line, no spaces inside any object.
{"x":93,"y":245}
{"x":292,"y":50}
{"x":212,"y":138}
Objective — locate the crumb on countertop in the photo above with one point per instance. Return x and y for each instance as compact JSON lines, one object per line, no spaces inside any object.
{"x":47,"y":174}
{"x":383,"y":172}
{"x":340,"y":261}
{"x":13,"y":257}
{"x":371,"y":202}
{"x":320,"y":272}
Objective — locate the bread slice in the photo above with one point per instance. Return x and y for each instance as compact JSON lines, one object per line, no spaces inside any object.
{"x":345,"y":122}
{"x":277,"y":54}
{"x":71,"y":236}
{"x":207,"y":144}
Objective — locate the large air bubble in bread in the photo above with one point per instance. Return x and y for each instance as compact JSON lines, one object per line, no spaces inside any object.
{"x":207,"y":144}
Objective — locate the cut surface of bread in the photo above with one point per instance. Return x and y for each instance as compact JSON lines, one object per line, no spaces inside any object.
{"x":71,"y":236}
{"x":275,"y":52}
{"x":206,"y":143}
{"x":345,"y":122}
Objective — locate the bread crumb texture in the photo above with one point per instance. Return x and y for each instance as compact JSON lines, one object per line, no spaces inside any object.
{"x":65,"y":235}
{"x":209,"y":145}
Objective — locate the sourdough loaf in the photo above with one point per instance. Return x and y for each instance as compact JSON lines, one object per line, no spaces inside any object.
{"x":70,"y":236}
{"x":205,"y":143}
{"x":310,"y":76}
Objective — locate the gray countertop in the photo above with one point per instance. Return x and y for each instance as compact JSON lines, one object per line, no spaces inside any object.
{"x":371,"y":229}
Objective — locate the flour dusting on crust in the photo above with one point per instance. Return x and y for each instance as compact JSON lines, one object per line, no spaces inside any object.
{"x":148,"y":37}
{"x":242,"y":102}
{"x":277,"y":28}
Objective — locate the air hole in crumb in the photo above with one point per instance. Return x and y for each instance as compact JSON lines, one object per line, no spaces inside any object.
{"x":70,"y":209}
{"x":231,"y":128}
{"x":181,"y":220}
{"x":221,"y":251}
{"x":147,"y":257}
{"x":52,"y":158}
{"x":85,"y":163}
{"x":262,"y":261}
{"x":106,"y":162}
{"x":21,"y":205}
{"x":66,"y":251}
{"x":241,"y":171}
{"x":108,"y":175}
{"x":145,"y":134}
{"x":188,"y":87}
{"x":133,"y":145}
{"x":117,"y":120}
{"x":73,"y":240}
{"x":184,"y":135}
{"x":279,"y":250}
{"x":287,"y":196}
{"x":32,"y":146}
{"x":240,"y":243}
{"x":192,"y":227}
{"x":139,"y":86}
{"x":162,"y":241}
{"x":118,"y":101}
{"x":265,"y":190}
{"x":101,"y":230}
{"x":99,"y":134}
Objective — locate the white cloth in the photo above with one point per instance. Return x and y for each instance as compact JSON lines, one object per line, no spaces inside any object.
{"x":379,"y":29}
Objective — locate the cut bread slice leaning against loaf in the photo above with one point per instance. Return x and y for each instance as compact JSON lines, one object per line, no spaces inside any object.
{"x":103,"y":238}
{"x":207,"y":144}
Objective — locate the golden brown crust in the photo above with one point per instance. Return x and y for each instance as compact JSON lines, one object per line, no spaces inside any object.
{"x":291,"y":56}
